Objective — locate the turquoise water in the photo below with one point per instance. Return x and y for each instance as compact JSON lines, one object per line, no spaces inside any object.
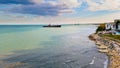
{"x":38,"y":47}
{"x":118,"y":32}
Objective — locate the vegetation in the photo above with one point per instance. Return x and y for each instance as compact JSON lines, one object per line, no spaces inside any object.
{"x":101,"y":27}
{"x":117,"y":22}
{"x":117,"y":37}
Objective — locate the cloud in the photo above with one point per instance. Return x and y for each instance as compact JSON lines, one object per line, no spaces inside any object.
{"x":42,"y":7}
{"x":58,"y":19}
{"x":16,"y":2}
{"x":71,"y":3}
{"x":58,"y":7}
{"x":37,"y":1}
{"x":103,"y":5}
{"x":45,"y":8}
{"x":93,"y":5}
{"x":21,"y":1}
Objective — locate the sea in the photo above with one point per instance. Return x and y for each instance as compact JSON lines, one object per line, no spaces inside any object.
{"x":34,"y":46}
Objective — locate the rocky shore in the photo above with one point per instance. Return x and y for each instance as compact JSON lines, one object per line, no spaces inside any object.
{"x":110,"y":47}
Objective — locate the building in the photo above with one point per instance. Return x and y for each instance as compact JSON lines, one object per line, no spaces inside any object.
{"x":113,"y":27}
{"x":117,"y":23}
{"x":110,"y":26}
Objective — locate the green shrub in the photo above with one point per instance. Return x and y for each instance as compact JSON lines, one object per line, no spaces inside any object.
{"x":101,"y":27}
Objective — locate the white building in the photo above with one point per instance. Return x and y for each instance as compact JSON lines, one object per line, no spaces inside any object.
{"x":110,"y":26}
{"x":113,"y":25}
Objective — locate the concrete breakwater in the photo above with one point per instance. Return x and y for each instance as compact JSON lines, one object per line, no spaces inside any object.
{"x":109,"y":47}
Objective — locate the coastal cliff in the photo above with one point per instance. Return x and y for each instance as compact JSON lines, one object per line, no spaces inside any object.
{"x":110,"y":47}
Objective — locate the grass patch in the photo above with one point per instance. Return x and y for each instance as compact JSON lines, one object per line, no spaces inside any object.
{"x":111,"y":36}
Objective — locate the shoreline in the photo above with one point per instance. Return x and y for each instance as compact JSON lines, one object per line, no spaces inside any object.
{"x":106,"y":62}
{"x":110,"y":47}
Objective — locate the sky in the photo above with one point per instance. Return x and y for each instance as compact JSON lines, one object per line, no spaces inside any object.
{"x":58,"y":11}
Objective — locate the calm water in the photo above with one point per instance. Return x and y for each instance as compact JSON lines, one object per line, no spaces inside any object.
{"x":37,"y":47}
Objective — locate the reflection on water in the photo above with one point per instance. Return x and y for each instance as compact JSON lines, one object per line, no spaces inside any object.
{"x":37,"y":47}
